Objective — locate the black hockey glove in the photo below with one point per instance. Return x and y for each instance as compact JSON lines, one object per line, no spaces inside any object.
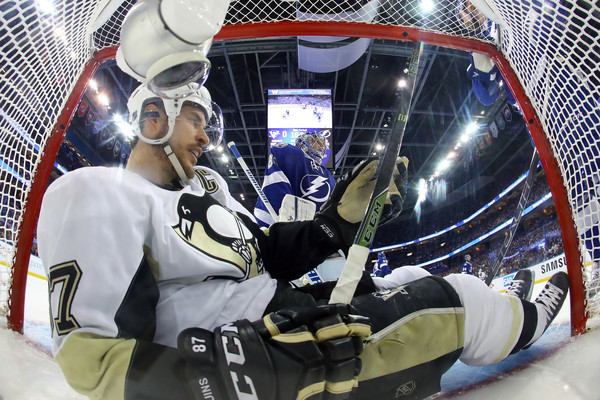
{"x":291,"y":354}
{"x":341,"y":215}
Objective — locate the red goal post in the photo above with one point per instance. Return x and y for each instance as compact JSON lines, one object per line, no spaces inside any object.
{"x":45,"y":73}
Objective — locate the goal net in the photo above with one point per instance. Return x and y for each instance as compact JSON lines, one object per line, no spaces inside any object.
{"x":547,"y":51}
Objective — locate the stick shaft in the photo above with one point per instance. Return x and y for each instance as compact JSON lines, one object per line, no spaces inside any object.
{"x":516,"y":217}
{"x":253,"y":181}
{"x":359,"y":252}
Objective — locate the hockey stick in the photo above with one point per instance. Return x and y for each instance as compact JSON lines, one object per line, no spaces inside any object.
{"x":516,"y":218}
{"x":253,"y":181}
{"x":359,"y":251}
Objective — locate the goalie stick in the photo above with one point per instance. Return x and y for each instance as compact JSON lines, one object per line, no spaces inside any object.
{"x":253,"y":181}
{"x":516,"y":218}
{"x":359,"y":251}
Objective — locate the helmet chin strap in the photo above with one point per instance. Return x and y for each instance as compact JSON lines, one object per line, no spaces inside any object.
{"x":176,"y":164}
{"x":171,"y":154}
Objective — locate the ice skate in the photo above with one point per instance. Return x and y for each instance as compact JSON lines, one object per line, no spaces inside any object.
{"x":549,"y":303}
{"x":552,"y":296}
{"x":522,"y":284}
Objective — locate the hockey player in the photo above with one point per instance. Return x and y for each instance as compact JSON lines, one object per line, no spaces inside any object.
{"x":136,"y":256}
{"x":487,"y":81}
{"x":295,"y":170}
{"x":381,"y":267}
{"x":155,"y":274}
{"x":467,"y":267}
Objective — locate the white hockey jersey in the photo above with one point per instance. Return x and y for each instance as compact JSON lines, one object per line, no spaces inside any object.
{"x":98,"y":224}
{"x":126,"y":260}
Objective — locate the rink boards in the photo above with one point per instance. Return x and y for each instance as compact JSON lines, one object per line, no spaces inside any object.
{"x":543,"y":272}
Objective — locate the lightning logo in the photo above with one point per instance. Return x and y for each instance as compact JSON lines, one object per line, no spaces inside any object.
{"x":315,"y":188}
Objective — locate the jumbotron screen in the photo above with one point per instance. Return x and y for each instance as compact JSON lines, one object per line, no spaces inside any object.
{"x":292,"y":112}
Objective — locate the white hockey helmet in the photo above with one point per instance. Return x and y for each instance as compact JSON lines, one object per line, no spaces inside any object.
{"x":314,"y":144}
{"x":192,"y":93}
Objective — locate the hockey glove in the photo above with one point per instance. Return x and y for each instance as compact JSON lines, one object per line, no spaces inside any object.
{"x":341,"y":215}
{"x":291,"y":354}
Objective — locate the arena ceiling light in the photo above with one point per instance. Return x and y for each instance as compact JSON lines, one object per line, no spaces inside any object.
{"x":93,"y":85}
{"x":46,"y":7}
{"x":164,"y":43}
{"x":427,"y":6}
{"x":103,"y":99}
{"x":123,"y":126}
{"x":422,"y":190}
{"x":443,"y":165}
{"x":472,"y":128}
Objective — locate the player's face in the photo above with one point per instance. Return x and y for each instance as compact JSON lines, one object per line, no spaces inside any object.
{"x":189,"y":137}
{"x":473,"y":19}
{"x":319,"y":145}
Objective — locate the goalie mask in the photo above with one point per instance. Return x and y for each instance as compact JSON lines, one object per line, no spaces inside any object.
{"x":192,"y":93}
{"x":314,"y":145}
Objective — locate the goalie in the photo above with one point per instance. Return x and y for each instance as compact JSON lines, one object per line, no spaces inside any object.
{"x":296,"y":171}
{"x":163,"y":287}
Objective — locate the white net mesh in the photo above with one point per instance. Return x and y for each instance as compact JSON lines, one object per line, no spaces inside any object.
{"x":552,"y":47}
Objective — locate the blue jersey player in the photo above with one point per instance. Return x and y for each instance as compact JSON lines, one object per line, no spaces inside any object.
{"x":295,"y":170}
{"x":381,"y":267}
{"x":467,"y":267}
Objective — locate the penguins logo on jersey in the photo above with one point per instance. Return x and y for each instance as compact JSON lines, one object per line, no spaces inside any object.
{"x":315,"y":188}
{"x":219,"y":233}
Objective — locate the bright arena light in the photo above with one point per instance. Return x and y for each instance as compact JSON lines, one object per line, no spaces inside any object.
{"x":103,"y":99}
{"x":93,"y":85}
{"x":123,"y":126}
{"x":402,"y":83}
{"x":46,"y":6}
{"x":444,"y":165}
{"x":422,"y":190}
{"x":472,"y":128}
{"x":427,"y":6}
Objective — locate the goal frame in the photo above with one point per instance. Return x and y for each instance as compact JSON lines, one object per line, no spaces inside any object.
{"x":570,"y":237}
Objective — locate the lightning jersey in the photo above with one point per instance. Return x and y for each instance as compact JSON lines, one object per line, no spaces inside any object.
{"x":381,"y":267}
{"x":467,"y":268}
{"x":130,"y":265}
{"x":291,"y":171}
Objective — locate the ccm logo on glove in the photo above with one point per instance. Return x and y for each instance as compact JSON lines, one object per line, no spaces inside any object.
{"x":234,"y":355}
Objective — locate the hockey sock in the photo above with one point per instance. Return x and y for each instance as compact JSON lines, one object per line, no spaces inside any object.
{"x":532,"y":323}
